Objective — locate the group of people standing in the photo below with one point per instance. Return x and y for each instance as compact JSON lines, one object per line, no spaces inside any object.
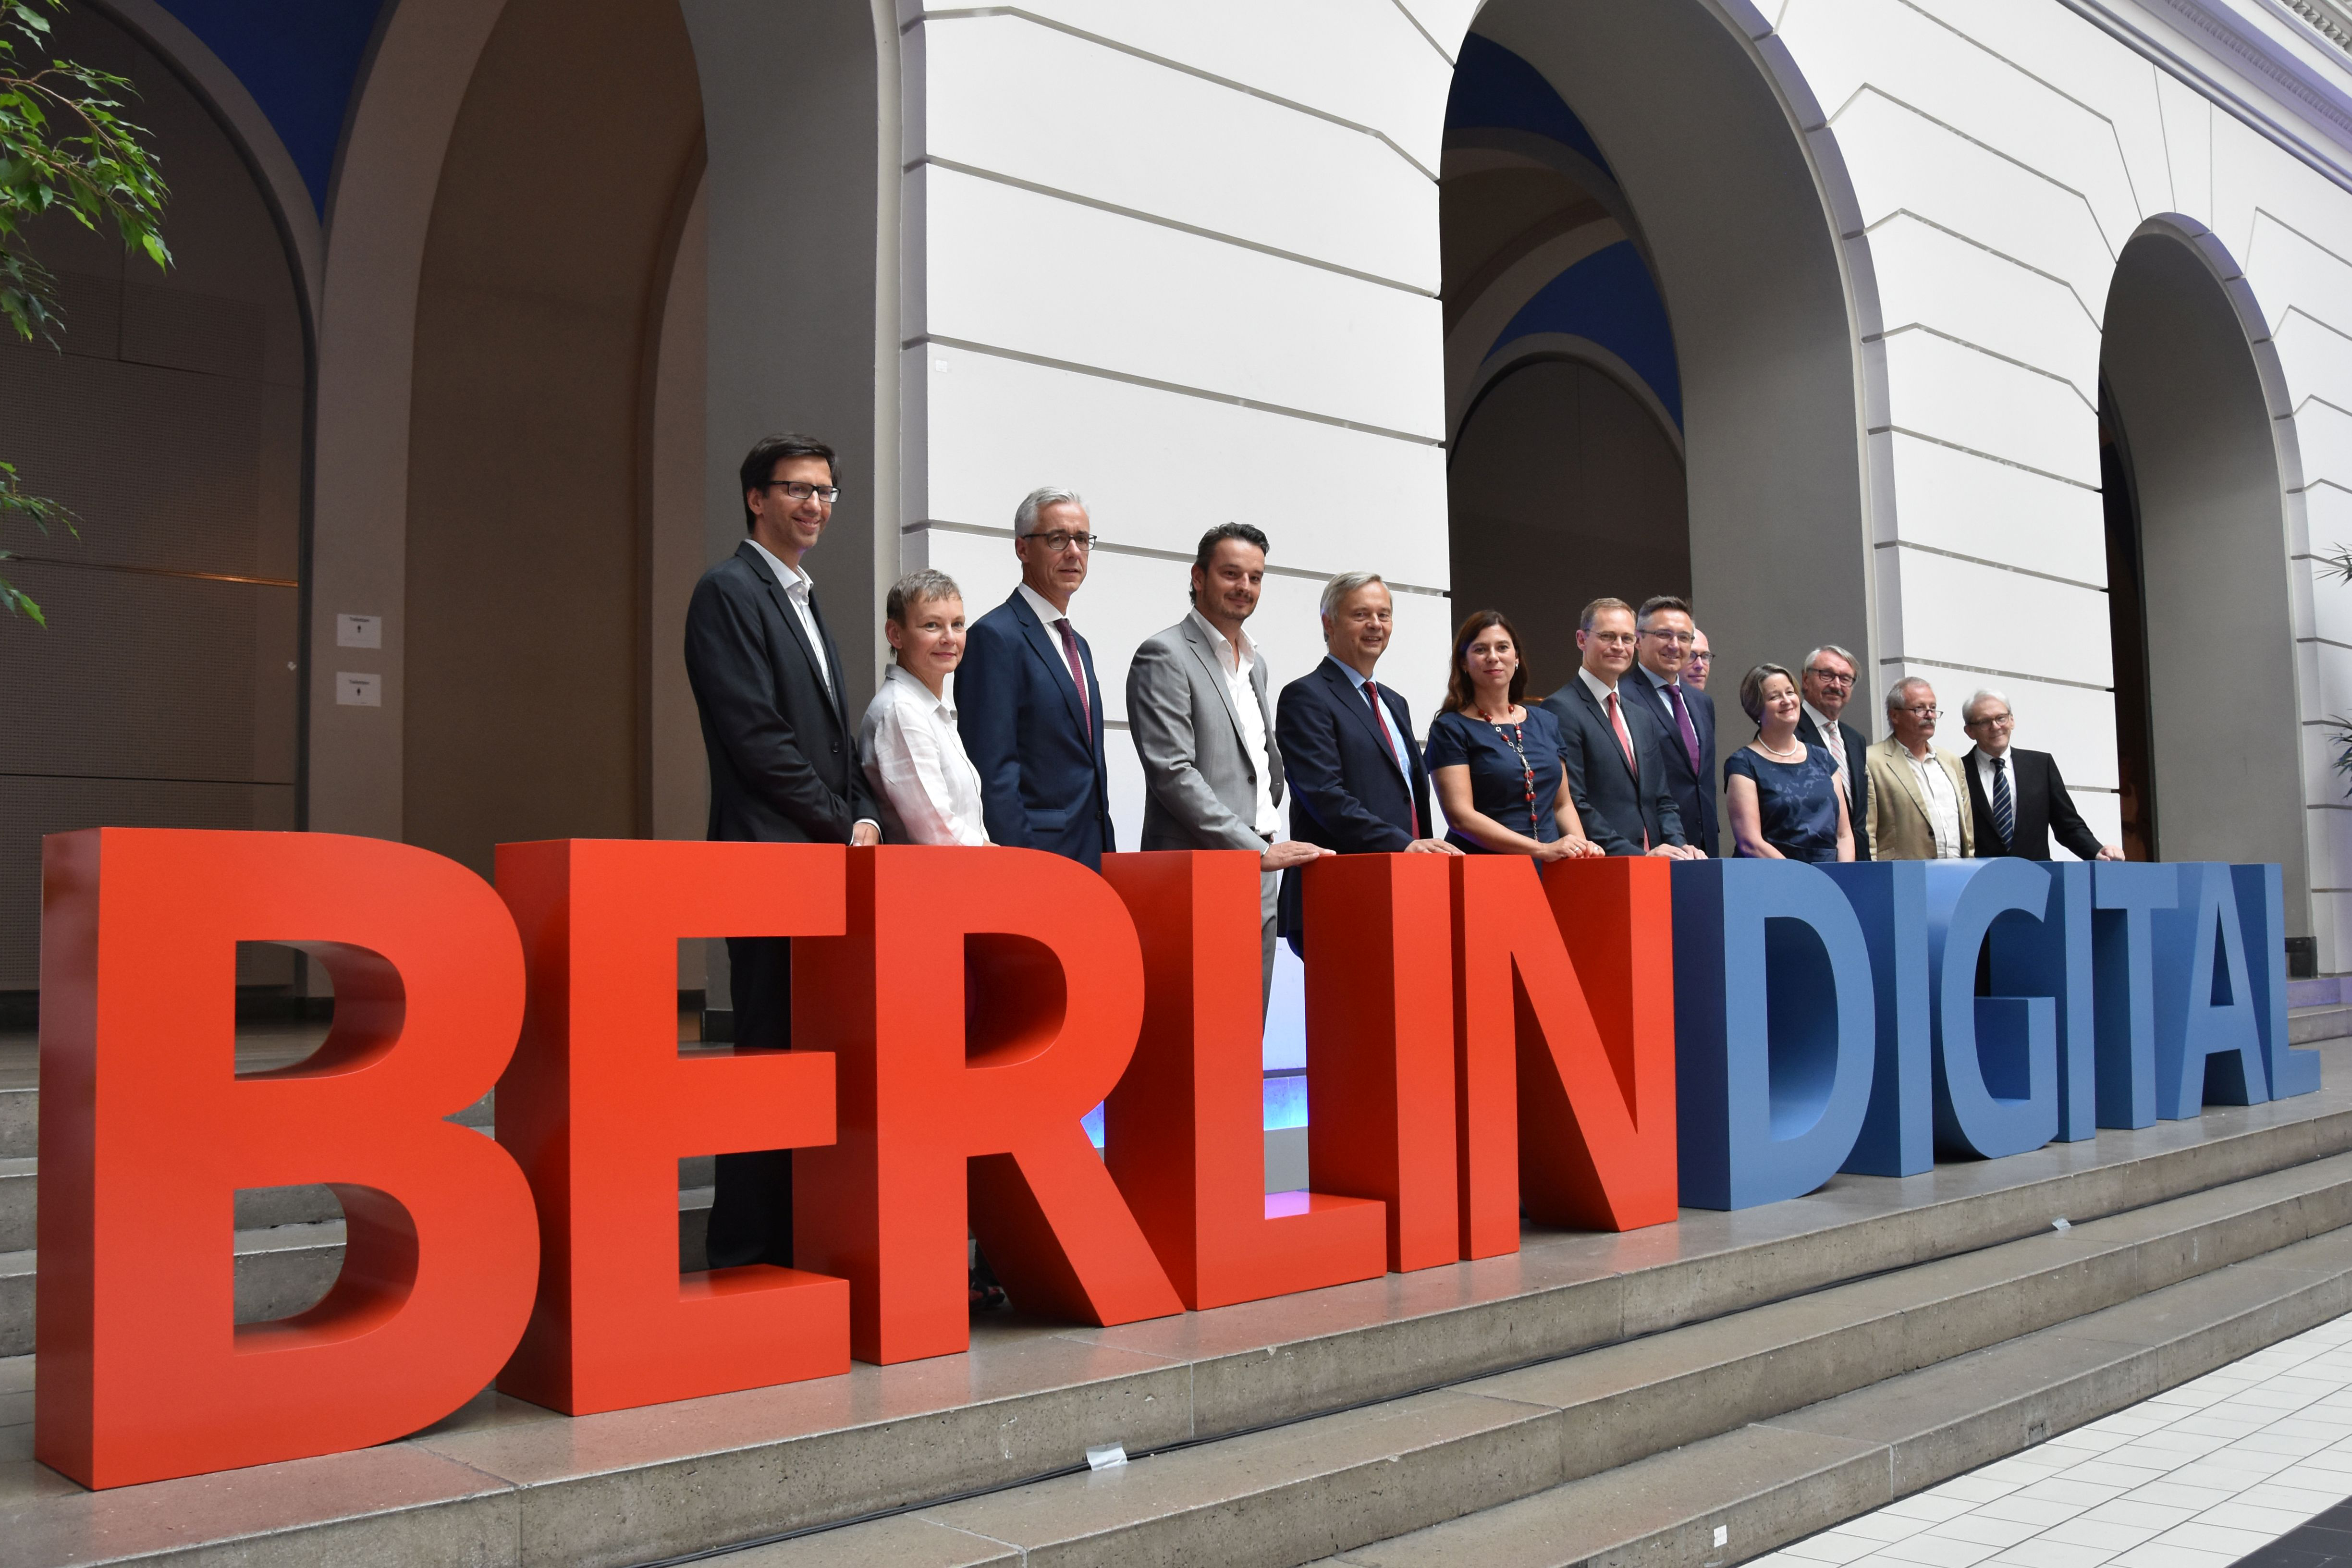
{"x":1619,"y":761}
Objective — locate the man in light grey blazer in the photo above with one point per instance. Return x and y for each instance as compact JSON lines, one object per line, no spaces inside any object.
{"x":1196,"y":708}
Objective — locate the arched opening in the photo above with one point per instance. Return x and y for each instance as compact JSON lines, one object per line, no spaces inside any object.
{"x":542,"y":299}
{"x":1654,"y":378}
{"x":2198,"y":553}
{"x":165,"y":691}
{"x":1564,"y":401}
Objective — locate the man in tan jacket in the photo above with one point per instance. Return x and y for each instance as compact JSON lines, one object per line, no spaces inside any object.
{"x":1918,"y":796}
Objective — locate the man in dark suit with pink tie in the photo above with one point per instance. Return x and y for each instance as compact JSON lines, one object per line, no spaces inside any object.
{"x":1358,"y":785}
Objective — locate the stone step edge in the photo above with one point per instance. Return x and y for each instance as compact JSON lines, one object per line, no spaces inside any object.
{"x":2292,"y":1188}
{"x":1815,"y":1480}
{"x":1390,"y":1358}
{"x":1473,"y":1451}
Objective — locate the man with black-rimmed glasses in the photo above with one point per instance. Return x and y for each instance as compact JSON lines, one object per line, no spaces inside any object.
{"x":782,"y":748}
{"x":1826,"y":683}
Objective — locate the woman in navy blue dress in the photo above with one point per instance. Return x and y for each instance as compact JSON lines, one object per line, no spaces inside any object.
{"x":1784,"y":801}
{"x":1497,"y":763}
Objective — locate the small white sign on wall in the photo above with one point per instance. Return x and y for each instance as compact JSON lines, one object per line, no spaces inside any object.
{"x":354,"y":689}
{"x":359,"y":631}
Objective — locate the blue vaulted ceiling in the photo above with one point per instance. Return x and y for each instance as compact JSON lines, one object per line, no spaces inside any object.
{"x":300,"y":60}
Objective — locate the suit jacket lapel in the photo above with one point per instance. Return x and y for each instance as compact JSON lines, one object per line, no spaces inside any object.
{"x":1907,"y":775}
{"x":1601,"y":710}
{"x":792,"y":619}
{"x":1215,"y":666}
{"x":1049,"y":649}
{"x":1351,"y":697}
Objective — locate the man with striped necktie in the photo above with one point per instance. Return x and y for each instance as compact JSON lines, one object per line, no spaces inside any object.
{"x":2019,"y":801}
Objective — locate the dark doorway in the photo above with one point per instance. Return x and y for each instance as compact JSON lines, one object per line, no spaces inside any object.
{"x":1563,"y":488}
{"x":2127,"y":626}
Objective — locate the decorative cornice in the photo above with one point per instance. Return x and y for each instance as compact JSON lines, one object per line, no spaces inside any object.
{"x":2332,"y":21}
{"x":2326,"y":103}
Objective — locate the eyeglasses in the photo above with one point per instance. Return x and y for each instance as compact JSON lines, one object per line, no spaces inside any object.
{"x":1697,"y":657}
{"x":1678,"y":639}
{"x":1062,"y":539}
{"x":1998,"y":721}
{"x":799,"y":489}
{"x":1928,"y":711}
{"x":1826,"y":678}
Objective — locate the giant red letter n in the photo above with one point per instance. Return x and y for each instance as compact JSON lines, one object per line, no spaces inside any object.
{"x":1567,"y":990}
{"x":148,"y":1131}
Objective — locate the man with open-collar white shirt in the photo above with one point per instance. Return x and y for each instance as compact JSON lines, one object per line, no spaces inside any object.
{"x":1196,"y":708}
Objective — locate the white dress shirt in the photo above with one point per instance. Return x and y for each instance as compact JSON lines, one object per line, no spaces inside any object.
{"x":914,"y":759}
{"x":1236,"y":663}
{"x":798,"y":584}
{"x":1943,"y":803}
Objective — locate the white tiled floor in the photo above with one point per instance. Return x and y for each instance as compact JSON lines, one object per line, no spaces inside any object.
{"x":2195,"y":1477}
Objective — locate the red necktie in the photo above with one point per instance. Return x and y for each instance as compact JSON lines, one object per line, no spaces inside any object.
{"x":1387,"y":739}
{"x":1617,"y":722}
{"x":1078,"y":671}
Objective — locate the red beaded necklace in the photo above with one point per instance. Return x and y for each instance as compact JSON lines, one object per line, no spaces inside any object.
{"x":1516,"y":735}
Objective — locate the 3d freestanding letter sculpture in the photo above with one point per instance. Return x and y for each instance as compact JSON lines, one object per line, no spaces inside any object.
{"x":148,"y":1131}
{"x":1774,"y":1033}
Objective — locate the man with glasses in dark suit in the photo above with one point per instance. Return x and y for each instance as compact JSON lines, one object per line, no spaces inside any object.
{"x":1826,"y":683}
{"x":1027,"y":702}
{"x":1660,"y":677}
{"x":783,"y":749}
{"x":2016,"y":797}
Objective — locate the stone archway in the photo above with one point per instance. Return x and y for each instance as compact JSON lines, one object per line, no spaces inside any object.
{"x":2207,"y":457}
{"x":1683,"y":147}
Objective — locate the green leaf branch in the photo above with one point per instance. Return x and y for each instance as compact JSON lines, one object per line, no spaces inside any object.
{"x":66,"y":147}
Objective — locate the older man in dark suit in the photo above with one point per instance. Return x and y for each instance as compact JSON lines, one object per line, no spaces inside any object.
{"x":1358,"y":785}
{"x":1616,"y":766}
{"x":783,"y":751}
{"x":1027,"y":703}
{"x":2016,"y":797}
{"x":1827,"y":684}
{"x":1662,"y":655}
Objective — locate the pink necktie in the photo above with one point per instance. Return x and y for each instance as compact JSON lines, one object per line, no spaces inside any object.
{"x":1387,"y":739}
{"x":1617,"y":722}
{"x":1078,"y":671}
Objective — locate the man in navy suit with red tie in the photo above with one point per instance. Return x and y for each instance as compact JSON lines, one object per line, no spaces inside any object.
{"x":1356,"y":783}
{"x":1615,"y":747}
{"x":1027,"y":703}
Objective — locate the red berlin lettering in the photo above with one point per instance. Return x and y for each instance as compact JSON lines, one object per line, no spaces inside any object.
{"x":1482,"y":1041}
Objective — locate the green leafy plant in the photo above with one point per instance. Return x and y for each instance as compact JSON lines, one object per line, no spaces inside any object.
{"x":65,"y":147}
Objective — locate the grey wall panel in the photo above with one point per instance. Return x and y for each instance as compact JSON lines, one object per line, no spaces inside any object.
{"x":30,"y":808}
{"x":162,"y":466}
{"x":146,"y":675}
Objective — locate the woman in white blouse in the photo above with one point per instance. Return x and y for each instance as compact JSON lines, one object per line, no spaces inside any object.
{"x":928,"y":790}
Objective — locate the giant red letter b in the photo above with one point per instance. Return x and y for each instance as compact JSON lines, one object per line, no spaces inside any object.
{"x":148,"y":1131}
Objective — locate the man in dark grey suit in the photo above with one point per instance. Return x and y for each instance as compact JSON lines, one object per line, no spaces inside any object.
{"x":1196,"y":708}
{"x":784,"y":769}
{"x":1827,"y":681}
{"x":1616,"y":769}
{"x":1686,"y":714}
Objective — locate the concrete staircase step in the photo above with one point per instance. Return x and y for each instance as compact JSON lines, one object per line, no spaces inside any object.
{"x":1961,"y":1258}
{"x":1767,"y":1484}
{"x":2306,"y":1026}
{"x":1306,"y":1488}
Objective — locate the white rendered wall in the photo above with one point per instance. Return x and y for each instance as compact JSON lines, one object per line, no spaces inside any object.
{"x":1181,"y":257}
{"x":2002,"y":152}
